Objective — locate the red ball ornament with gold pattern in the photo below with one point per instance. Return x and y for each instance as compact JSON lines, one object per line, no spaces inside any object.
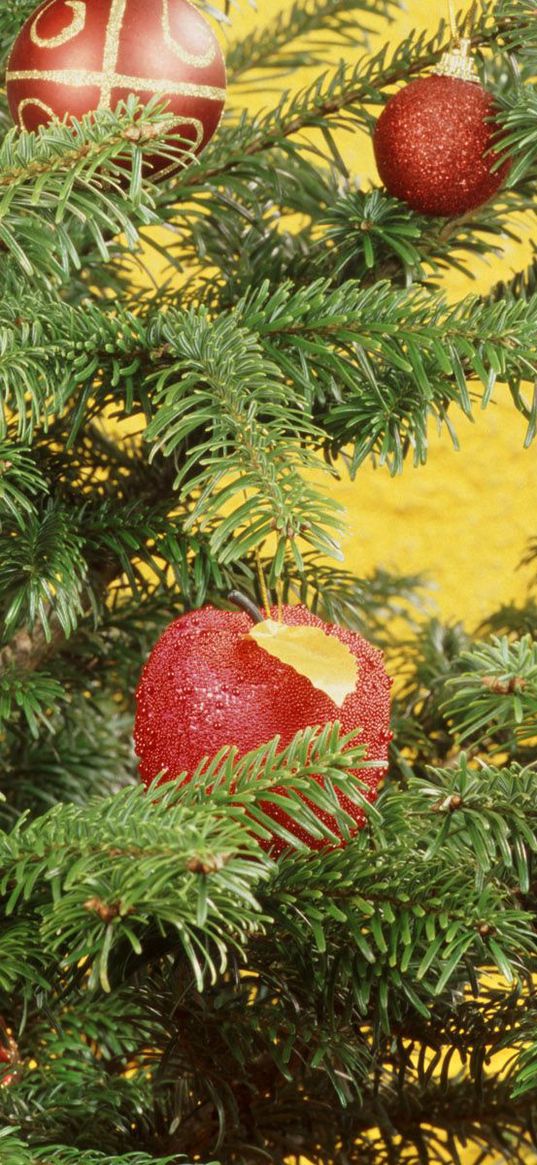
{"x":74,"y":57}
{"x":433,"y":140}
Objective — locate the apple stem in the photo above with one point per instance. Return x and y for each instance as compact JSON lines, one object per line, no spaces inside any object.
{"x":246,"y":604}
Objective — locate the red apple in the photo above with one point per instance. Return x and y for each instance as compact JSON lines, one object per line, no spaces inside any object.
{"x":207,"y":684}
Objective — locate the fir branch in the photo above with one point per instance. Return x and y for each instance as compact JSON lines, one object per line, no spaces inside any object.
{"x":434,"y":1123}
{"x":12,"y":18}
{"x":496,"y":694}
{"x":109,"y":542}
{"x":338,"y":98}
{"x":35,"y":695}
{"x":17,"y":1152}
{"x":373,"y":237}
{"x":118,"y":856}
{"x":219,"y":384}
{"x":75,"y":174}
{"x":368,"y":223}
{"x":324,"y":23}
{"x":43,"y":568}
{"x":26,"y":157}
{"x":384,"y":409}
{"x":51,"y":352}
{"x":86,"y":751}
{"x":167,"y":833}
{"x":90,"y":1093}
{"x":389,"y":917}
{"x":322,"y":337}
{"x":347,"y":234}
{"x":519,"y":140}
{"x":486,"y":810}
{"x":20,"y":481}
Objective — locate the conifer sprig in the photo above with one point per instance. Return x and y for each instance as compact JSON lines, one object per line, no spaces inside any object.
{"x":496,"y":693}
{"x":317,"y":27}
{"x":134,"y":861}
{"x":341,"y":97}
{"x":69,"y":180}
{"x":18,"y":1153}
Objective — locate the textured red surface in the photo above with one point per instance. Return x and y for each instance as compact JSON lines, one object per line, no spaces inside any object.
{"x":431,"y":143}
{"x":206,"y":685}
{"x":73,"y":57}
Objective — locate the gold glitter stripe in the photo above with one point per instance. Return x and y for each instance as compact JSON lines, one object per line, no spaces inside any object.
{"x":196,"y":124}
{"x":176,"y":47}
{"x":32,"y":101}
{"x":77,"y":24}
{"x":78,"y":77}
{"x":111,"y":50}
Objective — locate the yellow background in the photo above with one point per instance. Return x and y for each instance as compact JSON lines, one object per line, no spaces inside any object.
{"x":464,"y":519}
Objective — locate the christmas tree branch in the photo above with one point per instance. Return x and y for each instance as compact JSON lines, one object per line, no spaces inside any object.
{"x":365,"y":327}
{"x":373,"y":237}
{"x":138,"y":862}
{"x":436,"y":1123}
{"x":79,"y":746}
{"x":12,"y":18}
{"x":217,"y":373}
{"x":19,"y":1153}
{"x":339,"y":97}
{"x":311,"y":919}
{"x":486,"y":809}
{"x":72,"y":178}
{"x":487,"y":671}
{"x":50,"y":591}
{"x":324,"y":23}
{"x":80,"y":146}
{"x":395,"y":330}
{"x":378,"y":342}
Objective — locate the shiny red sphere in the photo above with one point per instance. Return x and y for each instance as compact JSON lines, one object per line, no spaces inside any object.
{"x":77,"y":56}
{"x":431,"y":146}
{"x":206,"y":684}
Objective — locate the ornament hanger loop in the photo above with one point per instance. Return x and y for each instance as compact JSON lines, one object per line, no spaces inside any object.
{"x":457,"y":61}
{"x":453,"y":23}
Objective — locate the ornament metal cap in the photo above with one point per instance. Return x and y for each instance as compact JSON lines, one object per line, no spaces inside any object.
{"x":457,"y":62}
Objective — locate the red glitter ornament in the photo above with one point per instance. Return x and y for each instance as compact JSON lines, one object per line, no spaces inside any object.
{"x":74,"y":57}
{"x":207,"y":684}
{"x":433,"y":138}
